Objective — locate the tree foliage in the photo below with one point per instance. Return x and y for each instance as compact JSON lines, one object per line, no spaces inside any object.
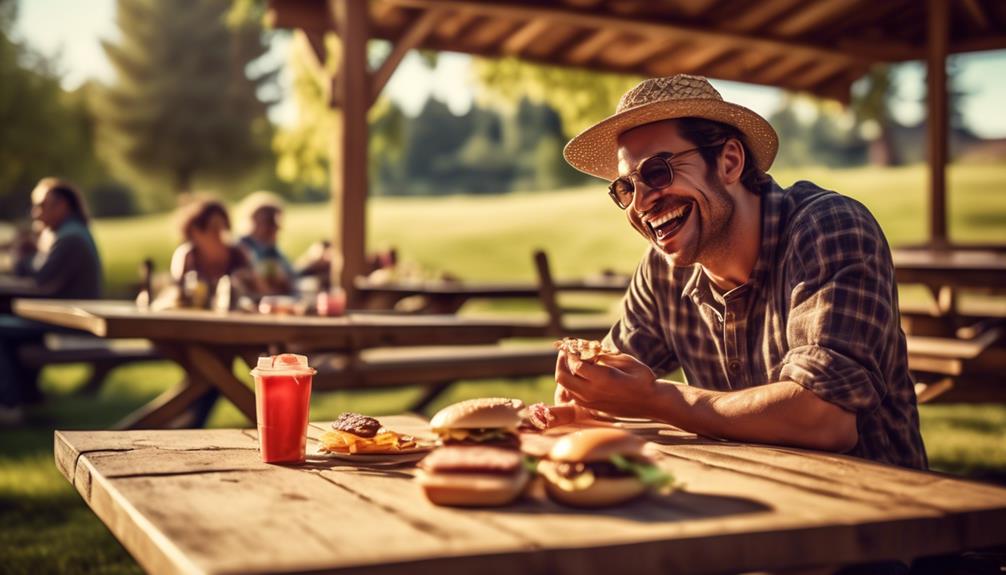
{"x":183,"y":103}
{"x":46,"y":130}
{"x":581,"y":97}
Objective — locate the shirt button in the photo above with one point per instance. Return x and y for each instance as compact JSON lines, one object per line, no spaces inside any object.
{"x":734,"y":365}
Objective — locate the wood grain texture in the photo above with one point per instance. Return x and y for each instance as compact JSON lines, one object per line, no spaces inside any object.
{"x":202,"y":501}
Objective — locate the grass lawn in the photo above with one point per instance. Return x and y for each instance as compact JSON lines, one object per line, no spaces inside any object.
{"x":47,"y":528}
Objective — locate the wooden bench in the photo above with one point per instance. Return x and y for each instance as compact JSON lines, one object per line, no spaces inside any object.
{"x":435,"y":367}
{"x":968,"y":367}
{"x":103,"y":355}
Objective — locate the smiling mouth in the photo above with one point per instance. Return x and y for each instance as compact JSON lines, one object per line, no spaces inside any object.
{"x":668,"y":224}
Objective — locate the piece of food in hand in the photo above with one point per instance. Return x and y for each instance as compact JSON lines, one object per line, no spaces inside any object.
{"x":355,"y":433}
{"x":600,"y":467}
{"x":488,"y":421}
{"x":541,"y":416}
{"x":585,"y":349}
{"x":472,"y":476}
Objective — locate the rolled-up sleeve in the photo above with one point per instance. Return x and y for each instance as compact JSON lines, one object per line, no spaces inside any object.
{"x":842,"y":314}
{"x":638,"y":329}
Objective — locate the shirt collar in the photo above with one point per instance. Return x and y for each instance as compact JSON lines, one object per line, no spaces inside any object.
{"x":771,"y":215}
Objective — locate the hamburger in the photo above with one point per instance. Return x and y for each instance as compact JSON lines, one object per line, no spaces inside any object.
{"x":490,"y":421}
{"x":600,"y":467}
{"x":472,"y":476}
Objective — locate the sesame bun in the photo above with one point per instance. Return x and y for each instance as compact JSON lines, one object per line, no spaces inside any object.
{"x":597,"y":444}
{"x":486,"y":412}
{"x":603,"y":492}
{"x":472,"y":489}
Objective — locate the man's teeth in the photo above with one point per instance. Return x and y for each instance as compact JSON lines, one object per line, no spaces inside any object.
{"x":673,"y":214}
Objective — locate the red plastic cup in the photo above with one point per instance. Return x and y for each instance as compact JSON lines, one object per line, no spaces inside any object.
{"x":282,"y":404}
{"x":331,"y":303}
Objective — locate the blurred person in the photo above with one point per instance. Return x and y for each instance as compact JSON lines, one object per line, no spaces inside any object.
{"x":63,"y":263}
{"x":209,"y":253}
{"x":208,"y":250}
{"x":262,"y":214}
{"x":780,"y":305}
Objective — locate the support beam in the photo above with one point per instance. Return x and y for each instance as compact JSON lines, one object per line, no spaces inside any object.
{"x":976,"y":13}
{"x":349,"y":143}
{"x":313,"y":43}
{"x":634,"y":25}
{"x":524,"y":36}
{"x":586,"y":51}
{"x":813,"y":15}
{"x":938,"y":17}
{"x":413,"y":36}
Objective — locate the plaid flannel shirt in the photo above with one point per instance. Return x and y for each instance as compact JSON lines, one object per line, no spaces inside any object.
{"x":820,"y":309}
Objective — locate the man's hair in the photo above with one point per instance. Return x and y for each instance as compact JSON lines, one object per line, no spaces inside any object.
{"x":198,"y":215}
{"x":69,"y":193}
{"x":702,"y":132}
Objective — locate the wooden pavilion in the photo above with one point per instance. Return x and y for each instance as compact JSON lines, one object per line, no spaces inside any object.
{"x":816,"y":46}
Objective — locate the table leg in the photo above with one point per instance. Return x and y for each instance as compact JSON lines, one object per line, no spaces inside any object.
{"x":167,"y":407}
{"x":216,"y":368}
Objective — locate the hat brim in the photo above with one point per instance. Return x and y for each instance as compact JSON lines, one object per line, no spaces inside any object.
{"x":595,"y":150}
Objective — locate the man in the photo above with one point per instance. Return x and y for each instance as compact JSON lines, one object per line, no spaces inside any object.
{"x":779,"y":305}
{"x":273,"y":268}
{"x":66,"y":265}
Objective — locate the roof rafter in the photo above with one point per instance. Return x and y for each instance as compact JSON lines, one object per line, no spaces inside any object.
{"x":630,"y":24}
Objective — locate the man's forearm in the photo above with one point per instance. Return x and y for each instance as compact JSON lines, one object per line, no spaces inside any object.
{"x":780,"y":413}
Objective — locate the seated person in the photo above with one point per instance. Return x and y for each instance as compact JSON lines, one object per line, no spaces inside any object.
{"x":210,"y":255}
{"x":65,"y":264}
{"x":208,"y":251}
{"x":264,"y":214}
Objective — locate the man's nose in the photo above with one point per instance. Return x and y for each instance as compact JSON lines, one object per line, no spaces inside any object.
{"x":642,"y":197}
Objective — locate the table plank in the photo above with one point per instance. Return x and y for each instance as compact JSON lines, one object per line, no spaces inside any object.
{"x":202,"y":500}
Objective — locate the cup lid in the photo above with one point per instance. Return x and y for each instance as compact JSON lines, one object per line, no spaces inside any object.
{"x":284,"y":362}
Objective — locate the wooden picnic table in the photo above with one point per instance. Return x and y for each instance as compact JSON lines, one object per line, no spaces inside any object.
{"x":205,"y":344}
{"x":201,"y":501}
{"x":946,"y":270}
{"x":441,"y":296}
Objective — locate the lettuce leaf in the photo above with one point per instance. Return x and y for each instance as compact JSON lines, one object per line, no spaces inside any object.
{"x":648,"y":473}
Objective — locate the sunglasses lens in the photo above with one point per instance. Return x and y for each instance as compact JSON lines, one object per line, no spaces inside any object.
{"x":621,"y":192}
{"x":656,"y":173}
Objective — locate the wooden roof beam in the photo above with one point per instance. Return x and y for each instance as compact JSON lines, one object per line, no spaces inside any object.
{"x":813,"y":15}
{"x":525,"y":35}
{"x":634,"y":55}
{"x":634,"y":25}
{"x":816,"y":76}
{"x":455,"y":24}
{"x":759,"y":14}
{"x":416,"y":32}
{"x":586,"y":51}
{"x":976,"y":13}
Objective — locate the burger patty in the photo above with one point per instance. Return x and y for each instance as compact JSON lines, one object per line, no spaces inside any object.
{"x":509,"y":441}
{"x":357,"y":424}
{"x":598,"y":468}
{"x":474,"y":459}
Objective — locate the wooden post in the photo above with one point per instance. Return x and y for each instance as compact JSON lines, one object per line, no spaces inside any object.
{"x":349,"y":154}
{"x":939,"y":32}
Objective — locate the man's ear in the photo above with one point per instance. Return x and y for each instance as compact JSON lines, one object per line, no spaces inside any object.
{"x":732,"y":161}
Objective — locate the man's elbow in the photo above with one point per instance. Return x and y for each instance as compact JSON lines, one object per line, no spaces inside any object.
{"x":836,"y":430}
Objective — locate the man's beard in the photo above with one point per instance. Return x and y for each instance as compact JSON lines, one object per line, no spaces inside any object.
{"x":713,"y":238}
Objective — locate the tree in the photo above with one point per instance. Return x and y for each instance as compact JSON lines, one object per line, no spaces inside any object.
{"x":46,"y":131}
{"x":871,"y":103}
{"x":183,"y":104}
{"x":581,"y":97}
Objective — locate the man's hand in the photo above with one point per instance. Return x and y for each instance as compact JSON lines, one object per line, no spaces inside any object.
{"x":618,"y":384}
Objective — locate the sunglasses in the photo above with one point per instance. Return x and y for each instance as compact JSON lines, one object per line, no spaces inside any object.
{"x":656,"y":172}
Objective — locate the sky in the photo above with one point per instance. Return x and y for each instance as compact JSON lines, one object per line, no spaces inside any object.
{"x":71,"y":30}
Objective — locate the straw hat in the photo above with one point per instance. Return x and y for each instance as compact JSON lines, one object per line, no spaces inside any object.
{"x":595,"y":150}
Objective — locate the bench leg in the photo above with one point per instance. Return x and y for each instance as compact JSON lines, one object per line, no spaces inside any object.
{"x":429,"y":394}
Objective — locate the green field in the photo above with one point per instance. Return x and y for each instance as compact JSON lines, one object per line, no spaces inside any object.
{"x":46,"y":527}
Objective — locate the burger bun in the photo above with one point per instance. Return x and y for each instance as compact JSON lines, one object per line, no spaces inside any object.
{"x":481,"y":413}
{"x":472,"y":489}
